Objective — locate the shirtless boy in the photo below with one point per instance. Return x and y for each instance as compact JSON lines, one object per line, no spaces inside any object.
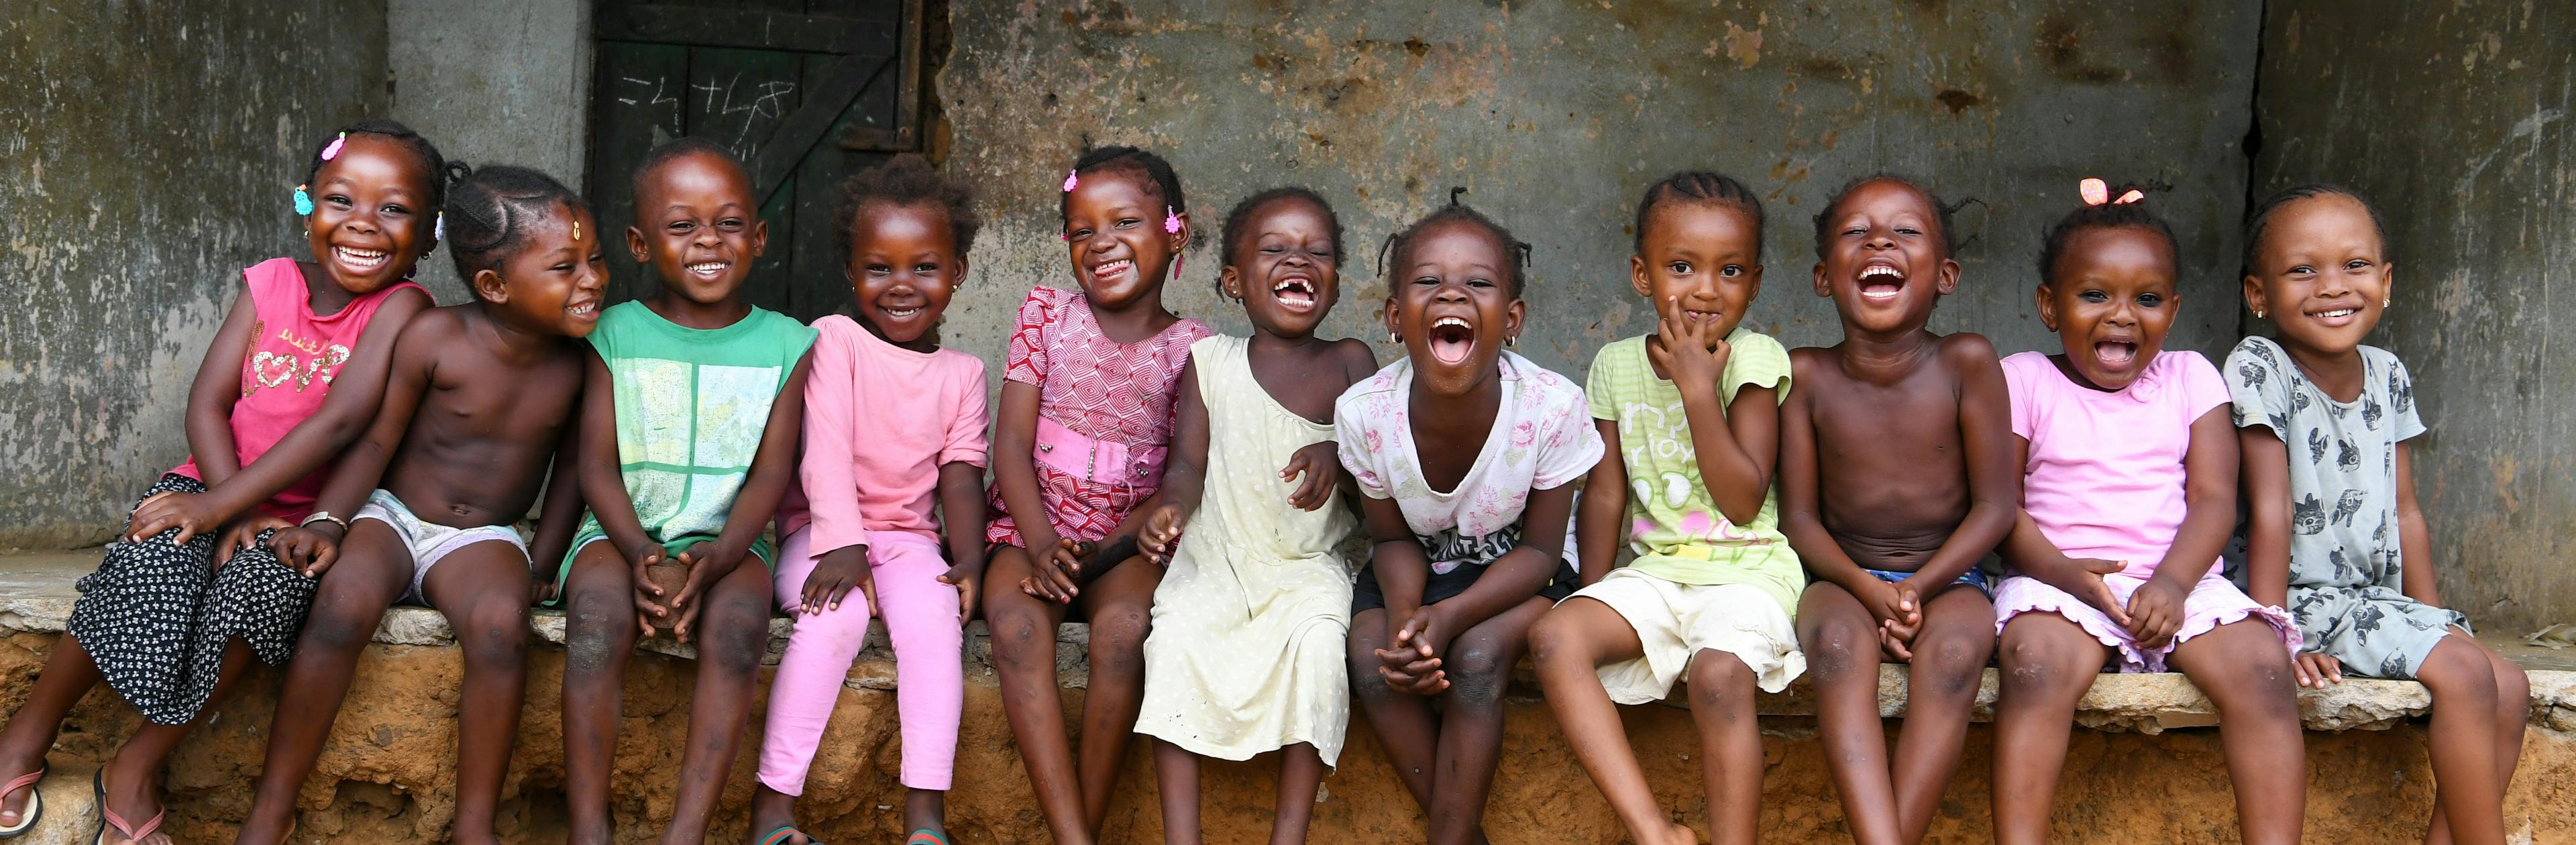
{"x":476,"y":407}
{"x":1896,"y":478}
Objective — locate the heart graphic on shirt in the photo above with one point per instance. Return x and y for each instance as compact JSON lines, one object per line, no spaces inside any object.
{"x":1676,"y":489}
{"x":270,"y":369}
{"x":324,"y":365}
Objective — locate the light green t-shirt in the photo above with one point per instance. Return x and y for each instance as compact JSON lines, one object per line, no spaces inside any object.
{"x":692,"y":405}
{"x":1676,"y":528}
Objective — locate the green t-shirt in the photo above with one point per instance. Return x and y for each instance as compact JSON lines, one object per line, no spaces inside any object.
{"x":1676,"y":529}
{"x":691,"y":407}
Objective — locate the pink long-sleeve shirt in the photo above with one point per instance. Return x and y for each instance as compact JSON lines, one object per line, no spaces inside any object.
{"x":880,"y":420}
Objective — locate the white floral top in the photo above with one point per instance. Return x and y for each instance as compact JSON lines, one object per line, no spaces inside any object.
{"x":1542,"y":439}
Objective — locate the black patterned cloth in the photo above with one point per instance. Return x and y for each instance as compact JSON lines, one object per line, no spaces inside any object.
{"x":2346,"y":579}
{"x":156,"y":615}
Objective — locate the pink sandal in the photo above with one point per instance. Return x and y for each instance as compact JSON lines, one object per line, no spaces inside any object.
{"x":35,"y":808}
{"x":109,"y":819}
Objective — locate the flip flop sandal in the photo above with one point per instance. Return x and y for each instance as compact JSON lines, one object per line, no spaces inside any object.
{"x":109,"y":819}
{"x":779,"y":836}
{"x":926,"y":836}
{"x":35,"y":808}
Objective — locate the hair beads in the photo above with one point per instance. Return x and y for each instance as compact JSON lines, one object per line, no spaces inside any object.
{"x":303,"y":202}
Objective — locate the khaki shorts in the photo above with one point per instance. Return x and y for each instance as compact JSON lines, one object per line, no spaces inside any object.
{"x":1675,"y":621}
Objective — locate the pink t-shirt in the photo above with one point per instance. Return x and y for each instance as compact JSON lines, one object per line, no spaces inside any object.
{"x":2105,"y":477}
{"x":288,"y":368}
{"x":880,"y":420}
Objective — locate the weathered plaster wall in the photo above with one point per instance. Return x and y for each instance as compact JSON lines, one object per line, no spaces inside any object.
{"x":2454,"y":118}
{"x":1557,"y":115}
{"x":493,"y":82}
{"x":147,"y":151}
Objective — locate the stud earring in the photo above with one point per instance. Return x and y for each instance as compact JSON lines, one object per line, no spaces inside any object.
{"x":2384,"y":302}
{"x":2258,"y":313}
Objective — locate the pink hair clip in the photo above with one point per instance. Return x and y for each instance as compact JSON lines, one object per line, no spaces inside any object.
{"x":333,"y":151}
{"x":1072,"y":178}
{"x":2097,"y":192}
{"x":1171,"y":221}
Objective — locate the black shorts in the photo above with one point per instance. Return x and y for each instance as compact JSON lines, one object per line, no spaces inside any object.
{"x":1440,"y":587}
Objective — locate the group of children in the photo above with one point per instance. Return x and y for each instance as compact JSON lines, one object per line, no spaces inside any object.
{"x":1816,"y":510}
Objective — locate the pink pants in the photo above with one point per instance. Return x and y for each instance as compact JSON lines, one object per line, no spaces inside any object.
{"x":930,"y":682}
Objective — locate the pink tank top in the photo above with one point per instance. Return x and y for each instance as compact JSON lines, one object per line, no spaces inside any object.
{"x":287,"y":370}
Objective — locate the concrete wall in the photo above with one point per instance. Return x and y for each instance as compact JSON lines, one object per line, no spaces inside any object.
{"x":493,"y":82}
{"x":2479,"y":192}
{"x":147,"y":152}
{"x":1557,"y":116}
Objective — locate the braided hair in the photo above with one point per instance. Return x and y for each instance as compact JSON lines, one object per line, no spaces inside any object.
{"x":440,"y":171}
{"x":1398,"y":245}
{"x":2109,"y":215}
{"x":2260,"y":216}
{"x":495,"y":207}
{"x":1699,"y":187}
{"x":1155,"y":174}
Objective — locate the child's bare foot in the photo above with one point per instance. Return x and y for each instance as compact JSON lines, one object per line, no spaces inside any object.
{"x":13,"y":806}
{"x":1674,"y":834}
{"x":926,"y":809}
{"x":131,"y":797}
{"x":774,"y":812}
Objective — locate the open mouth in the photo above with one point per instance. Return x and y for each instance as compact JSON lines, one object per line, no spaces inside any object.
{"x":361,"y":260}
{"x":2116,"y":354}
{"x":1881,"y":280}
{"x":1297,"y":293}
{"x":708,"y":270}
{"x":587,"y":309}
{"x":899,"y":313}
{"x":1452,"y":339}
{"x":1108,"y":271}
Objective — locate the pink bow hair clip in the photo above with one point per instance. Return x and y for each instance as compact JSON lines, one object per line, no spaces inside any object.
{"x":333,"y":151}
{"x":2098,"y":192}
{"x":1171,"y":221}
{"x":1071,"y":179}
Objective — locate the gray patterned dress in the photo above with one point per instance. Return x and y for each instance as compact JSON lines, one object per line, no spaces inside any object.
{"x":2345,"y":576}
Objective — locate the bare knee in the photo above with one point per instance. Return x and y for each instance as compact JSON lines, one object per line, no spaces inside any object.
{"x":1954,"y":663}
{"x":1017,"y":640}
{"x":737,"y":633}
{"x":599,"y":624}
{"x":2039,"y":666}
{"x":493,"y":631}
{"x":339,"y":626}
{"x":1555,"y":638}
{"x":1721,"y":680}
{"x":2513,"y":693}
{"x":1118,"y":640}
{"x":1834,"y":646}
{"x":1478,"y":673}
{"x":2256,"y":686}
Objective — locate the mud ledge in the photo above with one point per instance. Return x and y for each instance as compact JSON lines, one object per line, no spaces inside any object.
{"x":384,"y":774}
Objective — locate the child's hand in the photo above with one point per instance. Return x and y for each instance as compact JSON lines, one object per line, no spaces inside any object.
{"x":835,"y":573}
{"x":1161,"y":534}
{"x":244,"y":533}
{"x":968,"y":578}
{"x":2317,"y":670}
{"x":305,"y":550}
{"x":1411,"y":660}
{"x":2155,"y":613}
{"x":1691,"y":351}
{"x":1896,"y":633}
{"x":647,"y":608}
{"x":1056,"y":571}
{"x":2082,"y":578}
{"x":191,"y":513}
{"x":705,"y":561}
{"x":1320,"y":464}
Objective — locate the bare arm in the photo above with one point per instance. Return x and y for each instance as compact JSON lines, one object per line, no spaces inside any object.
{"x":2209,"y":500}
{"x":961,"y":518}
{"x":357,"y":392}
{"x":1801,"y":509}
{"x":1518,"y":574}
{"x":603,"y":484}
{"x":1396,"y":556}
{"x":1994,"y":476}
{"x":1015,"y":470}
{"x":560,"y":516}
{"x":1602,"y":525}
{"x":2264,"y":471}
{"x":211,"y":396}
{"x":1735,"y":450}
{"x":1185,"y":471}
{"x":2414,"y":538}
{"x":362,"y":468}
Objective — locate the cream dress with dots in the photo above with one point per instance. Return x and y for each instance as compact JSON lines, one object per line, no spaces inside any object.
{"x":1247,"y":644}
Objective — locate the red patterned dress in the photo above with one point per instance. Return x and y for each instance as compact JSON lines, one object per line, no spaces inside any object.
{"x":1104,"y":414}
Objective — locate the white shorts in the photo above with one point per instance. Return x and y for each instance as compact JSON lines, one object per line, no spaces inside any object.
{"x":1675,"y":621}
{"x":430,"y":542}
